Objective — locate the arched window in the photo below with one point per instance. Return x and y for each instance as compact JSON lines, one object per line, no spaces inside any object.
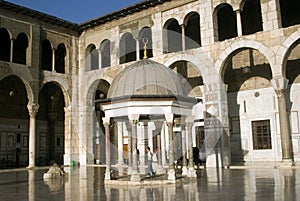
{"x":192,"y":31}
{"x":251,"y":17}
{"x":290,"y":14}
{"x":226,"y":18}
{"x":91,"y":58}
{"x":173,"y":34}
{"x":46,"y":55}
{"x":127,"y":48}
{"x":4,"y":45}
{"x":145,"y":33}
{"x":20,"y":48}
{"x":105,"y":53}
{"x":60,"y":55}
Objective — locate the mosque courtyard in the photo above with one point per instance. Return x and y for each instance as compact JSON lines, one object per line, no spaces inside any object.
{"x":87,"y":183}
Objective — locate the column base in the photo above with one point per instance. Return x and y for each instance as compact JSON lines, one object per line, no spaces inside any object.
{"x":107,"y":174}
{"x":160,"y":170}
{"x":30,"y":167}
{"x":286,"y":163}
{"x":191,"y":173}
{"x":184,"y":171}
{"x":135,"y":176}
{"x":171,"y":175}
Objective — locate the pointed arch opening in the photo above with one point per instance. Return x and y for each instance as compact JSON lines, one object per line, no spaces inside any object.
{"x":251,"y":17}
{"x":145,"y":32}
{"x":172,"y":36}
{"x":192,"y":31}
{"x":91,"y":58}
{"x":127,"y":48}
{"x":51,"y":119}
{"x":105,"y":53}
{"x":20,"y":49}
{"x":290,"y":14}
{"x":4,"y":45}
{"x":226,"y":22}
{"x":60,"y":58}
{"x":46,"y":55}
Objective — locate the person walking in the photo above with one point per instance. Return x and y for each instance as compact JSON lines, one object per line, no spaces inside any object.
{"x":150,"y":158}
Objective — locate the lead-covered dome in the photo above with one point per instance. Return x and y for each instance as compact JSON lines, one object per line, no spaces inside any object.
{"x":147,"y":78}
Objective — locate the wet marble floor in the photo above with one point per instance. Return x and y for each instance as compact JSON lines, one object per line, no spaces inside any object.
{"x":84,"y":184}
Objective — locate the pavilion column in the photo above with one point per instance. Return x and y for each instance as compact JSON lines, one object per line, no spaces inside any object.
{"x":189,"y":124}
{"x":184,"y":149}
{"x":143,"y":143}
{"x":106,"y":122}
{"x":163,"y":145}
{"x":129,"y":147}
{"x":120,"y":144}
{"x":171,"y":169}
{"x":135,"y":176}
{"x":239,"y":22}
{"x":53,"y":60}
{"x":280,"y":85}
{"x":33,"y":110}
{"x":183,"y":37}
{"x":98,"y":146}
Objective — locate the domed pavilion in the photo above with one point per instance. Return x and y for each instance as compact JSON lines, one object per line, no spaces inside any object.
{"x":147,"y":91}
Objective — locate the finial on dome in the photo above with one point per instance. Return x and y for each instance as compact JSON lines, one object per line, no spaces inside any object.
{"x":145,"y":41}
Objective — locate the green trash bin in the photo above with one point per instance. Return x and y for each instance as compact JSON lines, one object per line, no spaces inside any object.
{"x":72,"y":164}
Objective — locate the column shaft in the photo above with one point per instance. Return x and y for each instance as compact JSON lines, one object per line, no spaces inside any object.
{"x":134,"y":146}
{"x":239,"y":22}
{"x":183,"y":36}
{"x":33,"y":109}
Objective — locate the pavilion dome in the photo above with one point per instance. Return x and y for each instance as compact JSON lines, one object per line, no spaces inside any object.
{"x":147,"y":78}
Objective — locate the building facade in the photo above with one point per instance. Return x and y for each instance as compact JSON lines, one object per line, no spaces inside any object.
{"x":239,"y":57}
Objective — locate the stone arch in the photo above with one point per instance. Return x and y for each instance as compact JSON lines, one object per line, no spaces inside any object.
{"x":105,"y":49}
{"x":91,"y":86}
{"x":223,"y":57}
{"x":61,"y":53}
{"x":284,"y":51}
{"x":29,"y":90}
{"x":205,"y":65}
{"x":62,"y":84}
{"x":91,"y":57}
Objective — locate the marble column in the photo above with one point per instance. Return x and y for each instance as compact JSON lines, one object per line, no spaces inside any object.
{"x":99,"y":51}
{"x":31,"y":185}
{"x":137,"y":48}
{"x":183,"y":37}
{"x":184,"y":149}
{"x":239,"y":22}
{"x":53,"y":60}
{"x":280,"y":85}
{"x":171,"y":169}
{"x":98,"y":147}
{"x":11,"y":49}
{"x":135,"y":176}
{"x":120,"y":144}
{"x":189,"y":124}
{"x":106,"y":123}
{"x":163,"y":145}
{"x":33,"y":110}
{"x":68,"y":136}
{"x":129,"y":149}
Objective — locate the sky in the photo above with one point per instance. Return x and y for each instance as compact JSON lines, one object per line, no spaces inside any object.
{"x":76,"y":11}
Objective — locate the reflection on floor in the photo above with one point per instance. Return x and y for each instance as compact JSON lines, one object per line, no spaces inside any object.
{"x":85,"y":184}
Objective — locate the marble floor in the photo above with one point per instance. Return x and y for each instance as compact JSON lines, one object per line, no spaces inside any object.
{"x":87,"y":183}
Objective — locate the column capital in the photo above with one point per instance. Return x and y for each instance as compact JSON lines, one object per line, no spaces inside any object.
{"x":280,"y":85}
{"x":33,"y":109}
{"x":106,"y":121}
{"x":169,"y":118}
{"x":133,"y":117}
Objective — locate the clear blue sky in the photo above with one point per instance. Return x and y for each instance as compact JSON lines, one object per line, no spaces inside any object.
{"x":75,"y":10}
